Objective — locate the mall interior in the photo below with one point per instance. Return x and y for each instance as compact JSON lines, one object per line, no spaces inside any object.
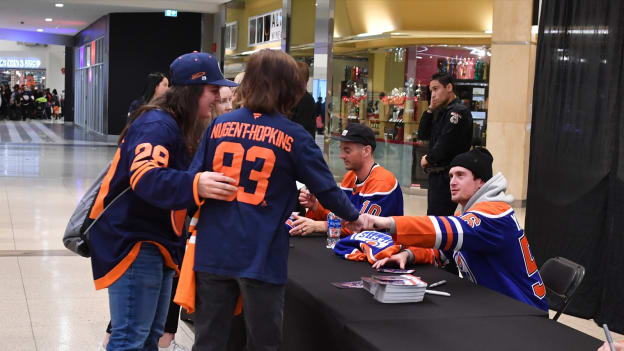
{"x":541,"y":79}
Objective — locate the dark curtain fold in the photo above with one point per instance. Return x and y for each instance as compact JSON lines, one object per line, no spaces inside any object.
{"x":575,"y":200}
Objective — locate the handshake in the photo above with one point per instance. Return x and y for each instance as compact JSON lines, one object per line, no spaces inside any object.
{"x":364,"y":221}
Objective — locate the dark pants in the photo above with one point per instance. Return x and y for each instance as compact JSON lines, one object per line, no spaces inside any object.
{"x":439,"y":204}
{"x":263,"y":306}
{"x":171,"y":324}
{"x":439,"y":195}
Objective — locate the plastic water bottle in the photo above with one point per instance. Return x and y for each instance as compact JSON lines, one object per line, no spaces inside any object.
{"x":333,"y":230}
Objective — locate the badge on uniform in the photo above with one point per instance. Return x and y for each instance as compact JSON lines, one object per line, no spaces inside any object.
{"x":455,"y":117}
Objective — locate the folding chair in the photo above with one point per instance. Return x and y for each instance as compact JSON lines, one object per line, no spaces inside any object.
{"x":561,"y":277}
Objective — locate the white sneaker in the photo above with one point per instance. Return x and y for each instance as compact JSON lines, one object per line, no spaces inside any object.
{"x":174,"y":346}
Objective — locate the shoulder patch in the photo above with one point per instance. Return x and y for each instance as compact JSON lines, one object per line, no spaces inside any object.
{"x":455,"y":117}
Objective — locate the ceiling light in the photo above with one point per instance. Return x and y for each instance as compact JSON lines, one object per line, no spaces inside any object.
{"x":48,"y":19}
{"x":58,"y":4}
{"x":39,"y":30}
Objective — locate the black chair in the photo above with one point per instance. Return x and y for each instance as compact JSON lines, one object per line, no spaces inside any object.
{"x":561,"y":277}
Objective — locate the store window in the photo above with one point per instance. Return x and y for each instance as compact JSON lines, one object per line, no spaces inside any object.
{"x":231,"y":35}
{"x":265,"y":28}
{"x":89,"y":87}
{"x":388,"y":89}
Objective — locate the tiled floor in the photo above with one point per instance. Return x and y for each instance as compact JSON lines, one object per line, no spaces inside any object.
{"x":47,"y":297}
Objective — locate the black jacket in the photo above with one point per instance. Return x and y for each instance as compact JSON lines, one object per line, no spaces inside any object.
{"x":449,"y":131}
{"x":304,"y":113}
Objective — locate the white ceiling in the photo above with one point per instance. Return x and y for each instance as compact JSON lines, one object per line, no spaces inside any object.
{"x":77,"y":14}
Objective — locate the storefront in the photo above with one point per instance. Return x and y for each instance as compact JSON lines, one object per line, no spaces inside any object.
{"x":387,"y":89}
{"x":377,"y":47}
{"x":22,"y":71}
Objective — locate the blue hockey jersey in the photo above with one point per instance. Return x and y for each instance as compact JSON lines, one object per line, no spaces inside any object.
{"x":379,"y":194}
{"x":368,"y":246}
{"x":266,"y":154}
{"x":488,"y":245}
{"x":152,"y":160}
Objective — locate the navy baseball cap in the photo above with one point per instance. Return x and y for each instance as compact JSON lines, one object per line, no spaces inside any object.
{"x":197,"y":68}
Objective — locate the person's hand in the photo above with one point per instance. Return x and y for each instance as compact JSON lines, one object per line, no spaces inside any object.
{"x":399,"y":259}
{"x":213,"y":185}
{"x":423,"y":162}
{"x":304,"y":226}
{"x":307,"y":200}
{"x":369,"y":222}
{"x":619,"y":346}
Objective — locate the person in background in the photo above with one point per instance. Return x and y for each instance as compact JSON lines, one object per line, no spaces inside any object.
{"x":156,"y":85}
{"x":56,"y":104}
{"x":238,"y":80}
{"x":225,"y":105}
{"x":304,"y":112}
{"x":447,"y":125}
{"x":320,"y":115}
{"x":5,"y":101}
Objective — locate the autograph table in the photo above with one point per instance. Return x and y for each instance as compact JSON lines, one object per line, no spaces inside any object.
{"x":319,"y":316}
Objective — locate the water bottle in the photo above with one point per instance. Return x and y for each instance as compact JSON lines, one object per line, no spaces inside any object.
{"x":333,"y":230}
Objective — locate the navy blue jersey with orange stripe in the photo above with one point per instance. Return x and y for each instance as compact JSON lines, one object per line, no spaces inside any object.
{"x":152,"y":159}
{"x":488,"y":245}
{"x":266,"y":154}
{"x":379,"y":194}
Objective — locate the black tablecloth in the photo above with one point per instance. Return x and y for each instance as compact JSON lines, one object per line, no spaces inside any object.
{"x":318,"y":315}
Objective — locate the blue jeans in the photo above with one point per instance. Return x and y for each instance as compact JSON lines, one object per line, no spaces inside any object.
{"x":139,"y":301}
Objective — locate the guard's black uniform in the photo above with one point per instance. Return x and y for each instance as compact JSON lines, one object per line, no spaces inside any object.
{"x":449,"y":131}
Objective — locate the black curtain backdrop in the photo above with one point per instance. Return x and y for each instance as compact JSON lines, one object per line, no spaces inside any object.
{"x":576,"y":174}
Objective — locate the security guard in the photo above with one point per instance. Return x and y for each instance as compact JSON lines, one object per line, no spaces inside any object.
{"x":447,"y":124}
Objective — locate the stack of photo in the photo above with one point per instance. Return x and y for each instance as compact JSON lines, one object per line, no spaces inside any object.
{"x":395,"y":288}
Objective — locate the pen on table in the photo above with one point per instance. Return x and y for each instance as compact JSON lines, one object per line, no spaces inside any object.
{"x":437,"y":284}
{"x":435,"y":292}
{"x":609,"y":338}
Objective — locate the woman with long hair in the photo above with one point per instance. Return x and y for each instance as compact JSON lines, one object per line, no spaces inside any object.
{"x":138,"y":242}
{"x":156,"y":85}
{"x":241,"y":242}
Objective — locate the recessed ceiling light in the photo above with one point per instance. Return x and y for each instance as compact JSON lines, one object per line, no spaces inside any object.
{"x":59,"y":4}
{"x":39,"y":30}
{"x":48,"y":19}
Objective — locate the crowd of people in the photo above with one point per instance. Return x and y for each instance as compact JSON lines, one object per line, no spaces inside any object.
{"x":23,"y":102}
{"x":212,"y":166}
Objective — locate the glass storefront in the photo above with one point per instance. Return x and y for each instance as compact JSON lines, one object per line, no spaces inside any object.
{"x":387,"y":89}
{"x":28,"y":77}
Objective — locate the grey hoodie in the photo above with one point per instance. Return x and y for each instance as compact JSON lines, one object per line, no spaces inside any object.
{"x":492,"y":191}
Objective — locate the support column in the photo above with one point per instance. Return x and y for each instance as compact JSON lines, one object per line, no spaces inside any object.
{"x":323,"y":55}
{"x":286,"y":16}
{"x":512,"y":73}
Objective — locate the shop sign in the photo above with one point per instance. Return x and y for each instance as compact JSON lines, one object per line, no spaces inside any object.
{"x":9,"y":62}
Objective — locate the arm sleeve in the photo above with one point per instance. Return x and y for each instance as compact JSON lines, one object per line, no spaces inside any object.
{"x":449,"y":233}
{"x":445,"y":146}
{"x":427,"y":256}
{"x":424,"y":127}
{"x":314,"y":173}
{"x":148,"y":152}
{"x":319,"y":215}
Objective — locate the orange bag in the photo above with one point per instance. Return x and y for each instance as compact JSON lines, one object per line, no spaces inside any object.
{"x":185,"y":294}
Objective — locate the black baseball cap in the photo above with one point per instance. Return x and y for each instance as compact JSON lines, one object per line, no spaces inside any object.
{"x":359,"y":133}
{"x":197,"y":68}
